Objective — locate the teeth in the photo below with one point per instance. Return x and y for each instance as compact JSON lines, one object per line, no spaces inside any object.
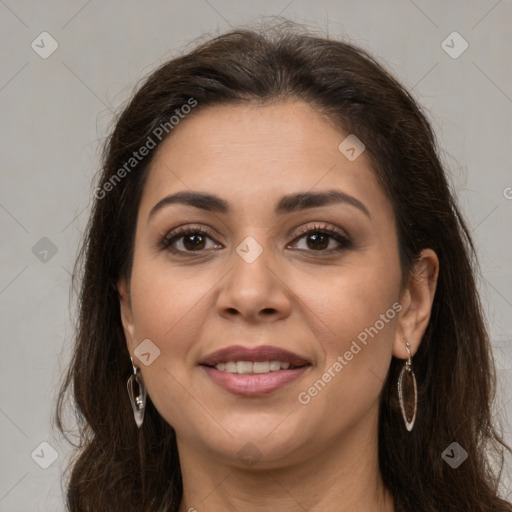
{"x":247,"y":367}
{"x":261,"y":367}
{"x":230,"y":367}
{"x":243,"y":367}
{"x":274,"y":366}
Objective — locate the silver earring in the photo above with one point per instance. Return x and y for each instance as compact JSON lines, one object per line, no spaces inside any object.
{"x":407,"y":386}
{"x":137,"y":396}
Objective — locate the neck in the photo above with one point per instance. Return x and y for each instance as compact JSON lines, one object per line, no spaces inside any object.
{"x":343,"y":477}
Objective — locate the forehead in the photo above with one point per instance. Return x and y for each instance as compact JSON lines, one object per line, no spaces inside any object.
{"x":253,"y":153}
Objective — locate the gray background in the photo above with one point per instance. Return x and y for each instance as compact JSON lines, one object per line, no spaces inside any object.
{"x":56,"y":111}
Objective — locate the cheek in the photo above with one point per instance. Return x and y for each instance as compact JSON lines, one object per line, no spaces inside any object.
{"x":353,"y":315}
{"x":165,"y":303}
{"x":345,"y":301}
{"x":357,"y":326}
{"x":169,"y":310}
{"x":358,"y":348}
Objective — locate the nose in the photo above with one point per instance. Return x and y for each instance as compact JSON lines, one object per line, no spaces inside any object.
{"x":254,"y":288}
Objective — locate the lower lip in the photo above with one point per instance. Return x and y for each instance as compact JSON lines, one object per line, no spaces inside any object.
{"x":254,"y":384}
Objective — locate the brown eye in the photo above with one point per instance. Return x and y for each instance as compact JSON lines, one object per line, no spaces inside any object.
{"x":193,"y":241}
{"x":319,"y":241}
{"x":187,"y":240}
{"x":323,"y":239}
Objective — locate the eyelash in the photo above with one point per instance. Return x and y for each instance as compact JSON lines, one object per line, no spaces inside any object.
{"x":166,"y":244}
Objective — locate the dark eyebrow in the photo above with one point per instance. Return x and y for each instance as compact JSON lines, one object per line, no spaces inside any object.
{"x":301,"y":201}
{"x":287,"y":204}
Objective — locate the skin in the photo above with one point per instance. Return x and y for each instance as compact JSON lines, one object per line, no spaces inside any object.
{"x":321,"y":455}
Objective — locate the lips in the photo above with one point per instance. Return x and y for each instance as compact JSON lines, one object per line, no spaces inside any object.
{"x":253,"y":372}
{"x":264,"y":353}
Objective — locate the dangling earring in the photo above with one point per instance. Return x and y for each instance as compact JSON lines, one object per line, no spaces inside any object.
{"x":137,"y":397}
{"x":407,"y":383}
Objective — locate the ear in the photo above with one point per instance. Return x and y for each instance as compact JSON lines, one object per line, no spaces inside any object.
{"x":123,"y":289}
{"x":416,"y":300}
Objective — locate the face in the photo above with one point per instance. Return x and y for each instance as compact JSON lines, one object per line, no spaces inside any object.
{"x":272,"y":318}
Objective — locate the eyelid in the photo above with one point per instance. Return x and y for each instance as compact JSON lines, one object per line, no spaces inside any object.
{"x":339,"y":235}
{"x":318,"y":226}
{"x":166,"y":241}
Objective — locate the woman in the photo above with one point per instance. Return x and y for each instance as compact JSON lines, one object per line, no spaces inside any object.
{"x":277,"y":304}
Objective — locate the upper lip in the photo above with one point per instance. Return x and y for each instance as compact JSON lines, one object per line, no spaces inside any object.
{"x":261,"y":353}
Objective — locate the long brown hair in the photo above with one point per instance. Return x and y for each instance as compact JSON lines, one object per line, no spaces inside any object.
{"x":117,"y":467}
